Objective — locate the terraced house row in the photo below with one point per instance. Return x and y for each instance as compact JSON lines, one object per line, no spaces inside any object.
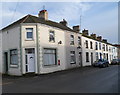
{"x":38,"y":45}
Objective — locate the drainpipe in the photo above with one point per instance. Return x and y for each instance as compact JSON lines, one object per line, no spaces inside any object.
{"x":21,"y":64}
{"x":37,"y":39}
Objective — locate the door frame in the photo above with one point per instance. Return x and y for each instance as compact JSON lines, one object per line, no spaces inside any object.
{"x":26,"y":63}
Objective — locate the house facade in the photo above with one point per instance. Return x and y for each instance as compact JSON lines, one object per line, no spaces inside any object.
{"x":38,"y":45}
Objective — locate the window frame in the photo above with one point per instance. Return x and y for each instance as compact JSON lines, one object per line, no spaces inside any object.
{"x":51,"y":53}
{"x":29,"y":32}
{"x":86,"y":41}
{"x":72,"y":40}
{"x":14,"y":55}
{"x":53,"y":35}
{"x":91,"y":45}
{"x":72,"y":54}
{"x":79,"y":40}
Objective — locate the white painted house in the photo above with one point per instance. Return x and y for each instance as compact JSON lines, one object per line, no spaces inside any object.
{"x":38,"y":45}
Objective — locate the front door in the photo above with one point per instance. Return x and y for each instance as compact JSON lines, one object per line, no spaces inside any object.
{"x":91,"y":58}
{"x":30,"y":63}
{"x":80,"y":59}
{"x":6,"y":62}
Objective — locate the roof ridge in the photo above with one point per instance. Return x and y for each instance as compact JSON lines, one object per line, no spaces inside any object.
{"x":25,"y":18}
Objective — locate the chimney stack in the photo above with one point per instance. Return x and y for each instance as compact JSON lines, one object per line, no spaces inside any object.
{"x":104,"y":40}
{"x":43,"y":14}
{"x":76,"y":28}
{"x":85,"y":32}
{"x":64,"y":22}
{"x":99,"y":38}
{"x":93,"y":36}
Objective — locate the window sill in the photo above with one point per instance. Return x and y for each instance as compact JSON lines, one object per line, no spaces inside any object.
{"x":72,"y":62}
{"x":13,"y":66}
{"x":54,"y":65}
{"x":29,"y":39}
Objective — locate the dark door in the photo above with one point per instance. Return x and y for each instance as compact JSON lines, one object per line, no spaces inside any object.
{"x":91,"y":58}
{"x":6,"y":62}
{"x":80,"y":59}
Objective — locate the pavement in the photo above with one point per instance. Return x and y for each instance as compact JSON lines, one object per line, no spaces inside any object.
{"x":79,"y":80}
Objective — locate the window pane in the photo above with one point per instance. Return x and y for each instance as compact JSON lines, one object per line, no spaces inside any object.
{"x":49,"y":56}
{"x":29,"y":34}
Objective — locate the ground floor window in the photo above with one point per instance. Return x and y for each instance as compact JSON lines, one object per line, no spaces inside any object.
{"x":13,"y":57}
{"x":49,"y":57}
{"x":72,"y":59}
{"x":87,"y":57}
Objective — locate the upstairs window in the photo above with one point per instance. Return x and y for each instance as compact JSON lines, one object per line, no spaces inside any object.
{"x":86,"y":44}
{"x":29,"y":33}
{"x":100,"y":46}
{"x":79,"y":40}
{"x":106,"y":47}
{"x":71,"y":40}
{"x":96,"y":47}
{"x":91,"y":45}
{"x":51,"y":36}
{"x":103,"y":47}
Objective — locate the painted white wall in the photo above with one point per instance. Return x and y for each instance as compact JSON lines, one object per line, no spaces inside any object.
{"x":43,"y":41}
{"x":26,"y":44}
{"x":1,"y":70}
{"x":72,"y":48}
{"x":11,"y":40}
{"x":84,"y":50}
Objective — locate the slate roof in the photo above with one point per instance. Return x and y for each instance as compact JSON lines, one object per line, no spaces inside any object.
{"x":34,"y":19}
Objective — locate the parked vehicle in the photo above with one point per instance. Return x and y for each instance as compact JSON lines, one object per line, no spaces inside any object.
{"x":101,"y":63}
{"x":115,"y":62}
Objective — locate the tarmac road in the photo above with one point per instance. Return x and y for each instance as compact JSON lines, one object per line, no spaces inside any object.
{"x":80,"y":80}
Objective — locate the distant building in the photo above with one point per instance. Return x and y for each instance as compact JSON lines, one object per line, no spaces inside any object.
{"x":39,"y":45}
{"x":118,"y":46}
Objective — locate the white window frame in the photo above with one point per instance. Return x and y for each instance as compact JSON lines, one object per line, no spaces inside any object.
{"x":14,"y":54}
{"x":28,"y":32}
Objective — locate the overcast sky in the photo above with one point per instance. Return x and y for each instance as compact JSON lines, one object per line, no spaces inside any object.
{"x":98,"y":17}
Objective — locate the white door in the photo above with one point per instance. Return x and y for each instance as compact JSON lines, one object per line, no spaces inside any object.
{"x":31,"y":62}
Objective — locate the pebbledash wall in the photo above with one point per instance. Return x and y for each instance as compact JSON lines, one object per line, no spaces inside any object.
{"x":67,"y":51}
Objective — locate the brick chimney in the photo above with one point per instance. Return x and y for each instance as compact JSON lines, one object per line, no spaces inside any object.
{"x":85,"y":32}
{"x":99,"y":38}
{"x":76,"y":28}
{"x":93,"y":36}
{"x":43,"y":14}
{"x":104,"y":40}
{"x":64,"y":22}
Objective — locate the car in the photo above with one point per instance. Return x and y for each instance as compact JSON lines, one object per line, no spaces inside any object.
{"x":115,"y":62}
{"x":101,"y":63}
